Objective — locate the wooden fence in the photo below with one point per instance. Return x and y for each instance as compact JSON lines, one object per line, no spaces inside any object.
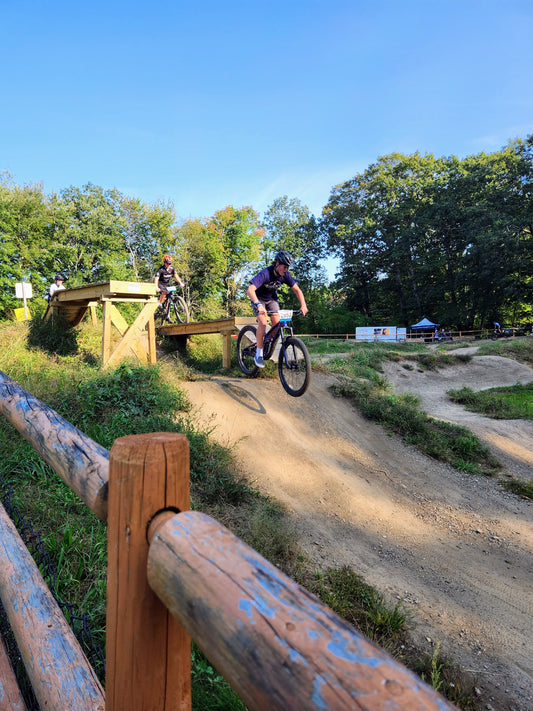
{"x":173,"y":575}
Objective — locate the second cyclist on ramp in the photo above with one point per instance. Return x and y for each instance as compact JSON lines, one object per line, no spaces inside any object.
{"x":263,"y":293}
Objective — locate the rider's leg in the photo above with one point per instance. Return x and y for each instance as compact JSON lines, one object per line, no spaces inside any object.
{"x":272,"y":307}
{"x":261,"y":329}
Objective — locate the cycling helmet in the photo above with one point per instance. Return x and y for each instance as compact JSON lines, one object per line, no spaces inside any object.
{"x":167,"y":258}
{"x":284,"y":257}
{"x":59,"y":277}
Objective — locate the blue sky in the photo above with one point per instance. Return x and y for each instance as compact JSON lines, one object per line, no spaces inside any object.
{"x":207,"y":104}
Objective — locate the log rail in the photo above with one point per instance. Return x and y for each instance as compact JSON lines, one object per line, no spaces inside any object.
{"x":173,"y":575}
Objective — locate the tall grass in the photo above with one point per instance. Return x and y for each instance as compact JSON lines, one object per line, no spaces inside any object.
{"x":505,"y":403}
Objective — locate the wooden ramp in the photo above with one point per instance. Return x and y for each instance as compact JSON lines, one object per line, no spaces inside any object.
{"x":73,"y":304}
{"x":225,"y":326}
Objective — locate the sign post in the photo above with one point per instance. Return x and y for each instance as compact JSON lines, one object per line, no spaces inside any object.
{"x":24,"y":291}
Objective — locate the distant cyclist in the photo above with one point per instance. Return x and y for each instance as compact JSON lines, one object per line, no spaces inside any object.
{"x":163,"y":276}
{"x":263,"y":293}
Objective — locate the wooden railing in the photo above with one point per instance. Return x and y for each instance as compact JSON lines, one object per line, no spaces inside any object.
{"x":173,"y":575}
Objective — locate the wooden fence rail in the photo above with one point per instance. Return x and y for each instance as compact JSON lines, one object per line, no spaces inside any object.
{"x":174,"y":574}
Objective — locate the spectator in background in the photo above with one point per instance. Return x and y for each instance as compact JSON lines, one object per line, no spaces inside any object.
{"x":56,"y":286}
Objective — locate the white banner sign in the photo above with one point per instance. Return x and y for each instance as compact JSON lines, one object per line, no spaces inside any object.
{"x":380,"y":333}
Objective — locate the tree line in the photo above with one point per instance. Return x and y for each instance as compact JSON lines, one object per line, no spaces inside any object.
{"x":444,"y":238}
{"x":415,"y":236}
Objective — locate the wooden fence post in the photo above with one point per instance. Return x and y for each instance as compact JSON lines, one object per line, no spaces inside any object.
{"x":148,"y":655}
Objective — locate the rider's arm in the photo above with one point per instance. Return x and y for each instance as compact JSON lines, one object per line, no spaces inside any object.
{"x":251,"y":291}
{"x":301,"y":298}
{"x":156,"y":282}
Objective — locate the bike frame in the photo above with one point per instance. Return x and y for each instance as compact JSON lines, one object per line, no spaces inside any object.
{"x":275,"y":332}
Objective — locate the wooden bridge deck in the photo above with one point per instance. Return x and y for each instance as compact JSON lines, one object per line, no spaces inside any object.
{"x":225,"y":326}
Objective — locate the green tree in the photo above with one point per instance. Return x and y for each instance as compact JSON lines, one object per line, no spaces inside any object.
{"x":148,"y":231}
{"x":25,"y":252}
{"x":239,"y":233}
{"x":91,"y":227}
{"x":290,"y":225}
{"x":201,"y":263}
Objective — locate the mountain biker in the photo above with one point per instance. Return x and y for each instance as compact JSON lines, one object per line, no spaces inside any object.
{"x":497,"y":327}
{"x":163,"y":276}
{"x":56,"y":286}
{"x":263,"y":293}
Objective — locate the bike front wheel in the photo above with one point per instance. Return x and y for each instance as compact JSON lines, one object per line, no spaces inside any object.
{"x":161,"y":315}
{"x":179,"y":311}
{"x":294,"y":367}
{"x":246,"y":346}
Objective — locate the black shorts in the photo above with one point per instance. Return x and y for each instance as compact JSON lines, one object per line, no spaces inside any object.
{"x":270,"y":305}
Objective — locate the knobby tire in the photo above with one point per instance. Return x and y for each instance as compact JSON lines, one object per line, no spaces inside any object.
{"x":294,"y":367}
{"x":179,"y":310}
{"x":246,"y":346}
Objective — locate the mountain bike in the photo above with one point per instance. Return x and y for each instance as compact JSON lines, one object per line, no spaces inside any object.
{"x":294,"y":363}
{"x":173,"y":309}
{"x":502,"y":333}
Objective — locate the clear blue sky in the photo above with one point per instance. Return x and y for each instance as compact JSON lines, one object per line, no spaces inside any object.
{"x":208,"y":103}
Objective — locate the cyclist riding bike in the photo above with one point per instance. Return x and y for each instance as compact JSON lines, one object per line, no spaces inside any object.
{"x":263,"y":293}
{"x":163,"y":276}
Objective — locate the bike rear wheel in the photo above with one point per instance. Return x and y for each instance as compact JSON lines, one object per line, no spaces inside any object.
{"x":294,"y":367}
{"x":179,"y":311}
{"x":246,"y":346}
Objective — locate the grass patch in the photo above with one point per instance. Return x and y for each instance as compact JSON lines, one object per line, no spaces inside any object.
{"x":363,"y":382}
{"x":443,"y":441}
{"x":505,"y":403}
{"x":347,"y":594}
{"x":519,"y":349}
{"x":520,"y":488}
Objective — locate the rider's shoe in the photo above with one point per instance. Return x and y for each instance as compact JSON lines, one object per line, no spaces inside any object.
{"x":258,"y":360}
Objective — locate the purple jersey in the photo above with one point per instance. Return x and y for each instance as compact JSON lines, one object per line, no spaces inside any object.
{"x":267,"y":283}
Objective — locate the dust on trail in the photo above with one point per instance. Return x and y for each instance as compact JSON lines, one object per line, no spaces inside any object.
{"x":457,"y":550}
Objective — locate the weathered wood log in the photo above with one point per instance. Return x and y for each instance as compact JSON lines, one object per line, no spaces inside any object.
{"x":60,"y":675}
{"x":10,"y":696}
{"x":81,"y":463}
{"x":274,"y":642}
{"x":148,"y":653}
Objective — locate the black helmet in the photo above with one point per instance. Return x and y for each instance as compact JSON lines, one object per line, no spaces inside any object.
{"x":58,"y":277}
{"x":284,"y":257}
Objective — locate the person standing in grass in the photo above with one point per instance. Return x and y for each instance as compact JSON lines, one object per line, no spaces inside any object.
{"x":263,"y":293}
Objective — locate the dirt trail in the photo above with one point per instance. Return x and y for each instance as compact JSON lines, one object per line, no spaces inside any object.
{"x":456,"y":549}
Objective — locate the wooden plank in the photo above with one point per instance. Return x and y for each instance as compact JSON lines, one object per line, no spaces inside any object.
{"x":10,"y":696}
{"x":226,"y":349}
{"x":131,"y":337}
{"x":276,"y":644}
{"x":92,"y":309}
{"x":121,"y":290}
{"x":106,"y":332}
{"x":152,"y":351}
{"x":60,"y":675}
{"x":81,"y":463}
{"x":148,"y":652}
{"x":122,"y":326}
{"x":220,"y":325}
